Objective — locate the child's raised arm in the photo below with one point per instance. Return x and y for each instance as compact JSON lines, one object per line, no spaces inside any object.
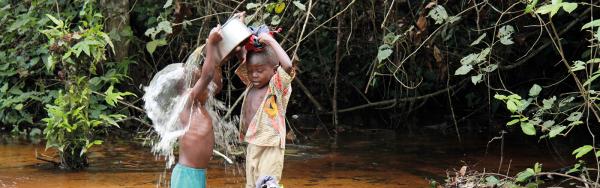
{"x":284,"y":59}
{"x":199,"y":91}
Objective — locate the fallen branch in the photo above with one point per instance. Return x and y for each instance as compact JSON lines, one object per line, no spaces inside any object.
{"x":308,"y":94}
{"x":40,"y":157}
{"x":391,"y":101}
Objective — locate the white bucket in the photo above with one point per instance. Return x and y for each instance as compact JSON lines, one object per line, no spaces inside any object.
{"x":234,"y":32}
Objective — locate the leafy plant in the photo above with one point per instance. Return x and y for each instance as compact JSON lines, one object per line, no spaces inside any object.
{"x":78,"y":114}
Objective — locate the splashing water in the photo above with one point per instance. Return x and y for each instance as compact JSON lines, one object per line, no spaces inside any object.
{"x":165,"y":99}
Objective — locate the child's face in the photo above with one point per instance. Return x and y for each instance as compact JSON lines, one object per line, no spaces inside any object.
{"x":260,"y":71}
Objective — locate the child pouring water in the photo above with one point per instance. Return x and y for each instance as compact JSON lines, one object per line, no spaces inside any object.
{"x":196,"y":144}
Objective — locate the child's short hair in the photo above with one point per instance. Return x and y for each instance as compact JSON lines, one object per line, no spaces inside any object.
{"x":267,"y":53}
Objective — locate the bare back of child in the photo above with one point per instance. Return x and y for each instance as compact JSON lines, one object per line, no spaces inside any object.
{"x":196,"y":145}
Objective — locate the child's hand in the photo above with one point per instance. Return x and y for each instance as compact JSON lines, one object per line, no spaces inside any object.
{"x":215,"y":35}
{"x":241,"y":52}
{"x":265,"y":38}
{"x":240,"y":15}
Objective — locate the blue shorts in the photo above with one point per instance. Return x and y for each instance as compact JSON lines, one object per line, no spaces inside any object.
{"x":188,"y":177}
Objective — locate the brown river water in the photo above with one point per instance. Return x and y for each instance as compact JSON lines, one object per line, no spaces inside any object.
{"x":372,"y":159}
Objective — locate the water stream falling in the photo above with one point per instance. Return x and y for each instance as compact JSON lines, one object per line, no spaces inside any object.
{"x":165,"y":99}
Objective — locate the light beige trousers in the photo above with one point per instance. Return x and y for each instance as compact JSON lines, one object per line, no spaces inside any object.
{"x":263,"y":161}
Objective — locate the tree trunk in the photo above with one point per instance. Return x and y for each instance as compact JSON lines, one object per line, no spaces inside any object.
{"x":338,"y":59}
{"x":116,"y":13}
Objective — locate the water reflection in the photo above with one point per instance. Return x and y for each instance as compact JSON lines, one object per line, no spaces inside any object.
{"x":373,"y":159}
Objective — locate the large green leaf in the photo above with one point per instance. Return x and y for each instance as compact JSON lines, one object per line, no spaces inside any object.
{"x":581,"y":151}
{"x":569,"y":7}
{"x":439,"y":14}
{"x":525,"y":175}
{"x":478,"y":40}
{"x":505,"y":34}
{"x":535,"y":90}
{"x":299,"y":5}
{"x":556,"y":130}
{"x":591,"y":24}
{"x":384,"y":52}
{"x":528,"y":128}
{"x":464,"y":69}
{"x":151,"y":46}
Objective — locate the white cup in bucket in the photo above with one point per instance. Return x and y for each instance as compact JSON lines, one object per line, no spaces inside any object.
{"x":233,"y":32}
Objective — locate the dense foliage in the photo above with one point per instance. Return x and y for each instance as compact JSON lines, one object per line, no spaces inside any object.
{"x":65,"y":65}
{"x":57,"y":65}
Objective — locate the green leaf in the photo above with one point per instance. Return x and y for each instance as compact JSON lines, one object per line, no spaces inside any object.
{"x":575,"y":116}
{"x":512,"y":122}
{"x":548,"y":124}
{"x":57,"y":22}
{"x":591,"y":24}
{"x":569,"y":7}
{"x":595,"y":60}
{"x":577,"y":66}
{"x":111,"y":98}
{"x":512,"y":105}
{"x":535,"y":90}
{"x":478,"y":40}
{"x":591,"y":79}
{"x":279,"y":7}
{"x":165,"y":26}
{"x":575,"y":123}
{"x":390,"y":38}
{"x":490,"y":68}
{"x":581,"y":151}
{"x":4,"y":88}
{"x":528,"y":128}
{"x":491,"y":181}
{"x":251,"y":6}
{"x":19,"y":107}
{"x":574,"y":169}
{"x":530,"y":6}
{"x":551,"y":8}
{"x":384,"y":53}
{"x":500,"y":97}
{"x":537,"y":168}
{"x":453,"y":19}
{"x":107,"y":40}
{"x":151,"y":46}
{"x":483,"y":54}
{"x":151,"y":32}
{"x":548,"y":103}
{"x":299,"y":5}
{"x":439,"y":14}
{"x":525,"y":175}
{"x":505,"y":34}
{"x":556,"y":130}
{"x":469,"y":59}
{"x":168,"y":4}
{"x":275,"y":20}
{"x":565,"y":101}
{"x":464,"y":69}
{"x":476,"y":79}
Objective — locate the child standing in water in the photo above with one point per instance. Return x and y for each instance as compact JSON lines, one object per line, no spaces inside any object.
{"x":267,"y":72}
{"x":196,"y":145}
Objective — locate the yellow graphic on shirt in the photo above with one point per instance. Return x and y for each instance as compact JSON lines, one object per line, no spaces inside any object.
{"x":271,"y":107}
